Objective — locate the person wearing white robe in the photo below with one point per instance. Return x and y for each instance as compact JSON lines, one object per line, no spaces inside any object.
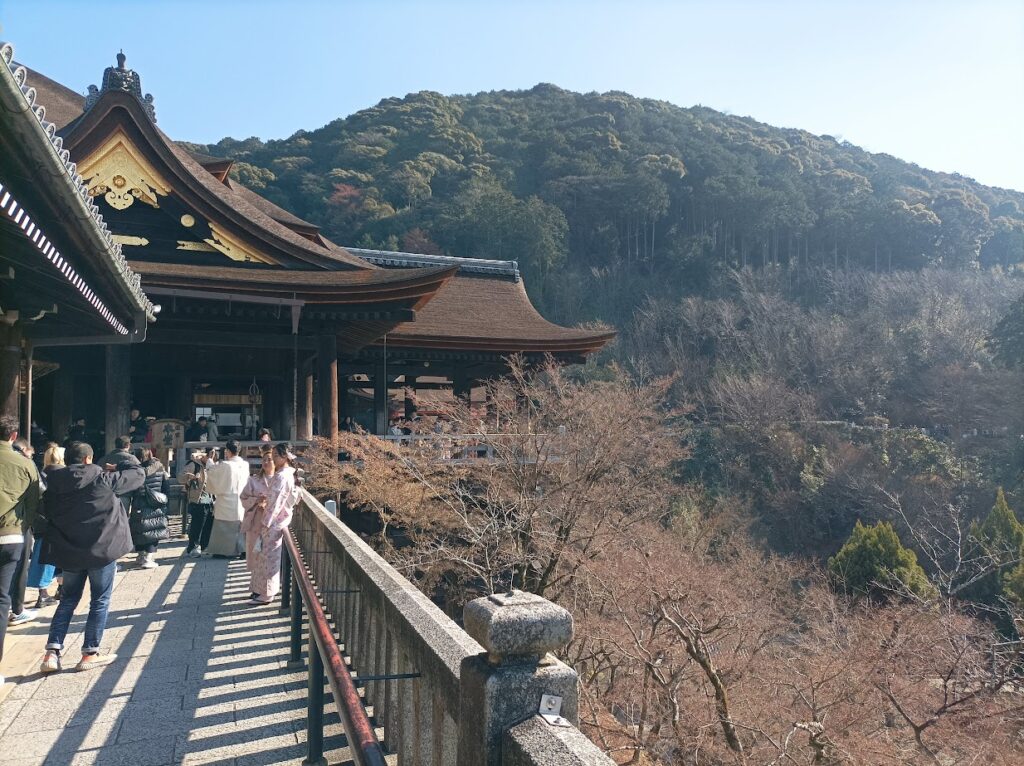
{"x":225,"y":480}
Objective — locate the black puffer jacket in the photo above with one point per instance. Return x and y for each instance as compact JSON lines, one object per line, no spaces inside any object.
{"x":147,"y":520}
{"x":86,"y":526}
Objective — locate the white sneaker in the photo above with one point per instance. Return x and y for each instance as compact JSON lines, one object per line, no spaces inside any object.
{"x":97,"y":660}
{"x":50,"y":663}
{"x":26,"y":616}
{"x":196,"y":552}
{"x":149,"y":562}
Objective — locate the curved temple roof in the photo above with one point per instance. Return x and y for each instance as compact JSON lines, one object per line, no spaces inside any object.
{"x":334,"y":287}
{"x":474,"y":304}
{"x":118,"y":110}
{"x":40,"y":151}
{"x":488,"y":314}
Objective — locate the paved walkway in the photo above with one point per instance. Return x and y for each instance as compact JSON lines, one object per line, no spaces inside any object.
{"x":200,"y":678}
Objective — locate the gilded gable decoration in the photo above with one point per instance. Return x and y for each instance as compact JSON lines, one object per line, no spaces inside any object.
{"x":119,"y":173}
{"x":119,"y":78}
{"x":234,"y":248}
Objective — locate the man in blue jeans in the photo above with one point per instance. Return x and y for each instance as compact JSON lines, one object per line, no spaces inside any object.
{"x":86,"y":533}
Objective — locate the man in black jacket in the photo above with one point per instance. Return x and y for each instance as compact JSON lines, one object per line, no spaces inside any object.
{"x":87,"y":533}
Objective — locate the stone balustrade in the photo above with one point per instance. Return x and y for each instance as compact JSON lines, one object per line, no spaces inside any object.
{"x":445,"y":696}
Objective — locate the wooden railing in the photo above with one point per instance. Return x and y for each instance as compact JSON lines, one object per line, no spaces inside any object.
{"x":324,"y":655}
{"x":441,"y":697}
{"x":406,"y":650}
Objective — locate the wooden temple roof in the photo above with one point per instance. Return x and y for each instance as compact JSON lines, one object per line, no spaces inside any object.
{"x":491,"y":314}
{"x":460,"y":304}
{"x":63,"y":273}
{"x":118,"y":111}
{"x":415,"y":286}
{"x":63,"y":105}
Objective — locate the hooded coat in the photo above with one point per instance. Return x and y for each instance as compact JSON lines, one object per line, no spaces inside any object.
{"x":87,"y":527}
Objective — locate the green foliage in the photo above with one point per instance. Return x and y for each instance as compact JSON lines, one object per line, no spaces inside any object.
{"x":874,"y":562}
{"x":1007,"y":339}
{"x":1000,"y":541}
{"x":639,"y":193}
{"x":1000,"y":535}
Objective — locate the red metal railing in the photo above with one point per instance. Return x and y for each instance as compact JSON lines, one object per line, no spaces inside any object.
{"x":324,"y":655}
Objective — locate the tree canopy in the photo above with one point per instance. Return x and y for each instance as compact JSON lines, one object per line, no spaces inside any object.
{"x":569,"y":184}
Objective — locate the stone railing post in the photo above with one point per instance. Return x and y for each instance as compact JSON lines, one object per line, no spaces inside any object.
{"x":504,"y":685}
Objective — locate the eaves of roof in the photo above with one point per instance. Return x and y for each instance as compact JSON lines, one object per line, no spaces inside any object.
{"x":45,"y":150}
{"x":189,"y":177}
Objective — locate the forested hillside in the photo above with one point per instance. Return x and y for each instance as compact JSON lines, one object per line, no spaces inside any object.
{"x":584,"y":189}
{"x":804,"y":449}
{"x":871,"y":290}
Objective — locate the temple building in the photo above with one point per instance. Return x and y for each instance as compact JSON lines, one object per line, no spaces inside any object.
{"x":216,"y":301}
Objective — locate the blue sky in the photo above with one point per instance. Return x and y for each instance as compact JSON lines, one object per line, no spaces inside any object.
{"x":938,"y":83}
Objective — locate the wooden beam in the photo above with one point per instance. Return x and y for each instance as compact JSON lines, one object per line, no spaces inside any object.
{"x":232,"y":339}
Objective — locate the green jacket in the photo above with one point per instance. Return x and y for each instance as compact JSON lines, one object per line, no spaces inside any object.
{"x":19,"y":491}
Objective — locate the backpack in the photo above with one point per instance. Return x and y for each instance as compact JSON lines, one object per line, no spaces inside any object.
{"x":154,"y":497}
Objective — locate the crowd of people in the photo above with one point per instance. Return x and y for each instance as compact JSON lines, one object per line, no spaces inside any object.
{"x":71,"y":521}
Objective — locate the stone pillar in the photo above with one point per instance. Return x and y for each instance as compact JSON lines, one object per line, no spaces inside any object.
{"x":327,"y":383}
{"x":118,"y":392}
{"x":10,"y":368}
{"x":63,"y":401}
{"x":504,"y":686}
{"x":380,"y":399}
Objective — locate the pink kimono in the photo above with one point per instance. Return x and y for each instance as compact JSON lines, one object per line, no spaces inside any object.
{"x":256,"y":489}
{"x":269,"y":526}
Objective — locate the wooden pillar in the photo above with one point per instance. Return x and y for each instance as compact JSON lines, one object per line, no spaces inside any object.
{"x":10,"y":369}
{"x":462,"y":386}
{"x":380,"y":399}
{"x":63,"y":400}
{"x":304,"y":426}
{"x":286,"y":426}
{"x":327,"y":384}
{"x":26,"y":412}
{"x":118,"y":392}
{"x":181,"y":398}
{"x":343,"y":396}
{"x":410,"y":394}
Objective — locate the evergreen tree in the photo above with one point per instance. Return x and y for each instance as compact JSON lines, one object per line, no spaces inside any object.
{"x":874,"y":562}
{"x":999,"y":540}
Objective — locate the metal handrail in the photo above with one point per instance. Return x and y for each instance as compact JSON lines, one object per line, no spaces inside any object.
{"x":324,"y":655}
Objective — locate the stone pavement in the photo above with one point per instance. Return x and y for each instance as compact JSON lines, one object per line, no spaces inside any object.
{"x":200,"y":678}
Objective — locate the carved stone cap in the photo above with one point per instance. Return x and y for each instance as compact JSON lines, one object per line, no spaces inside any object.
{"x":517,"y":624}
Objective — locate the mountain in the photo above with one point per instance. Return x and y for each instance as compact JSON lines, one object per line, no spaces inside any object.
{"x":638,"y":193}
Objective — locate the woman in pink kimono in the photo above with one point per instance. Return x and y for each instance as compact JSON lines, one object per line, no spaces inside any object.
{"x":254,"y":501}
{"x":272,"y":524}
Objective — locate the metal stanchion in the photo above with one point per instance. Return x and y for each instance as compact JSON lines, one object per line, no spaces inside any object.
{"x":286,"y":582}
{"x":315,"y":709}
{"x":295,"y":655}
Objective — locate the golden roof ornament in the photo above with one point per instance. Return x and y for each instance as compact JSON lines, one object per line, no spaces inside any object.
{"x":121,"y":78}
